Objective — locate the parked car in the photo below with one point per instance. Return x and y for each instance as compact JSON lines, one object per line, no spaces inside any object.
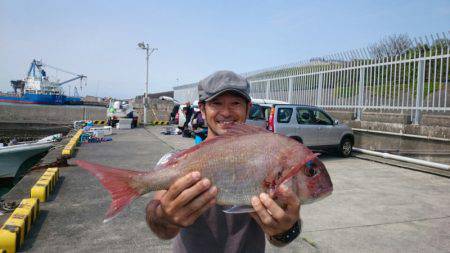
{"x":309,"y":125}
{"x":260,"y":111}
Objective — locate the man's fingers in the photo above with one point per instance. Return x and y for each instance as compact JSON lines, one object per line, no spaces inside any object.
{"x":288,"y":197}
{"x":256,"y":218}
{"x":276,"y":211}
{"x":201,"y":200}
{"x":192,"y":192}
{"x":191,"y":218}
{"x":181,"y":184}
{"x":265,"y":217}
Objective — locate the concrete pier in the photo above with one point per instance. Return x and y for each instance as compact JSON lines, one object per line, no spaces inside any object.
{"x":375,"y":207}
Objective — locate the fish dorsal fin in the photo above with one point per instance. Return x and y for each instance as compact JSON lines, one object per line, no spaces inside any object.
{"x":232,"y":130}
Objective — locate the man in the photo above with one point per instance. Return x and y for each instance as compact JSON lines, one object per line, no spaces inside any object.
{"x":188,"y":111}
{"x":174,"y":112}
{"x":188,"y":210}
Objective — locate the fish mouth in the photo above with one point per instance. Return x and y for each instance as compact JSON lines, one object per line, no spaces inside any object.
{"x":323,"y":192}
{"x":320,"y":194}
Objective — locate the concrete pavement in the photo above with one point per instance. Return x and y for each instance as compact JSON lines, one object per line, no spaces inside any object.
{"x":374,"y":207}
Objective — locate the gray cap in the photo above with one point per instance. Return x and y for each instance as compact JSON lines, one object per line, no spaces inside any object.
{"x":221,"y":82}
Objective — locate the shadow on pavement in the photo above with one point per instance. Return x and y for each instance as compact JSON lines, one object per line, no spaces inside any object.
{"x":34,"y":232}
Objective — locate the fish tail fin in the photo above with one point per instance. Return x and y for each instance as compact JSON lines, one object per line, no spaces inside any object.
{"x":120,"y":183}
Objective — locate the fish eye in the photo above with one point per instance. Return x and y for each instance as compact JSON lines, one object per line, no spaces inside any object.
{"x":310,"y":171}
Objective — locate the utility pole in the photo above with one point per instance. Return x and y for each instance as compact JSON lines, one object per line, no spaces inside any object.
{"x":148,"y":52}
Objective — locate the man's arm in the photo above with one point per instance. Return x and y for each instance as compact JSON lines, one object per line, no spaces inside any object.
{"x":277,"y":222}
{"x":180,"y":206}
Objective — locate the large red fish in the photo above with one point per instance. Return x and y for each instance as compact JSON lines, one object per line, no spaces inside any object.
{"x":244,"y":162}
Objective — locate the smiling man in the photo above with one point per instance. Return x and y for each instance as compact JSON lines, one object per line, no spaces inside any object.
{"x":188,"y":210}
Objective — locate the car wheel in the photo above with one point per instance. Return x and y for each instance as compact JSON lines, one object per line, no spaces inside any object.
{"x":345,"y":148}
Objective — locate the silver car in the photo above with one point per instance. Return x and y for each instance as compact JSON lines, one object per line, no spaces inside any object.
{"x":309,"y":125}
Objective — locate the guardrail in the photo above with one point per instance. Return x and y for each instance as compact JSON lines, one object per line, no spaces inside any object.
{"x":411,"y":78}
{"x":413,"y":81}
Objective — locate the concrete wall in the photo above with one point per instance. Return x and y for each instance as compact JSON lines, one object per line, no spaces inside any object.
{"x":158,"y":110}
{"x":430,"y":150}
{"x":432,"y":125}
{"x":49,"y":114}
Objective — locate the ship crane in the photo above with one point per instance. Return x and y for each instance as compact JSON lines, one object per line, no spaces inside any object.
{"x":41,"y":74}
{"x":77,"y":76}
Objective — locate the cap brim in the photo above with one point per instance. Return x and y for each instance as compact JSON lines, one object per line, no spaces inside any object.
{"x":236,"y":91}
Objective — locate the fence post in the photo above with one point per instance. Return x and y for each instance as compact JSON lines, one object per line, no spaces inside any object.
{"x":419,"y":91}
{"x":267,"y":89}
{"x":290,"y":91}
{"x":362,"y":72}
{"x":319,"y":90}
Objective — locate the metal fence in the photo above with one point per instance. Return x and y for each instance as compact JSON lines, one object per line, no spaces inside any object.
{"x":413,"y":80}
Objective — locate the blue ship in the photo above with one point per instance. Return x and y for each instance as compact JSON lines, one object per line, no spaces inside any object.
{"x":36,"y":88}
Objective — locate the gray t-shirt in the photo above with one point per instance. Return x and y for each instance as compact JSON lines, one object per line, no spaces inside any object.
{"x":216,"y":231}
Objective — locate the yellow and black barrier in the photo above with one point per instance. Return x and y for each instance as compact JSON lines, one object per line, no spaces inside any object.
{"x":100,"y":122}
{"x":8,"y":240}
{"x":45,"y":185}
{"x":70,"y":147}
{"x":18,"y":225}
{"x":159,"y":122}
{"x":31,"y":204}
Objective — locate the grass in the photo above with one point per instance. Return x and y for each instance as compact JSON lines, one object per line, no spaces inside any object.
{"x":382,"y":89}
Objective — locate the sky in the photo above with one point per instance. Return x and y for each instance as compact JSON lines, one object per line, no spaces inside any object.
{"x":194,"y":38}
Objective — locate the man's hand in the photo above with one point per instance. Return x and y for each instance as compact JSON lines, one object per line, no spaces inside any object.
{"x":184,"y":201}
{"x":271,"y":217}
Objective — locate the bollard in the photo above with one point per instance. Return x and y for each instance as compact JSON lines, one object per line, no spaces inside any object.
{"x":31,"y":204}
{"x":25,"y":215}
{"x":39,"y":191}
{"x":16,"y":226}
{"x":56,"y":170}
{"x":8,"y":241}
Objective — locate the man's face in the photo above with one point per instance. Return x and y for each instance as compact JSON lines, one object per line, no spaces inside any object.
{"x":225,"y":109}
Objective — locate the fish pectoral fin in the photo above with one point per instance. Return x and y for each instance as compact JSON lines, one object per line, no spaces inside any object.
{"x":240,"y":209}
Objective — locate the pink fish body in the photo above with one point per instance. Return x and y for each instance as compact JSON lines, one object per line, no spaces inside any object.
{"x":244,"y":162}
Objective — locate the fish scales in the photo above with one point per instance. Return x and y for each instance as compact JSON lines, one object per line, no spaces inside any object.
{"x":244,"y":162}
{"x":237,"y":165}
